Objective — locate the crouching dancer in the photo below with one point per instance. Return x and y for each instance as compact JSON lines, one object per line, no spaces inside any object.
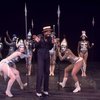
{"x":8,"y":68}
{"x":75,"y":66}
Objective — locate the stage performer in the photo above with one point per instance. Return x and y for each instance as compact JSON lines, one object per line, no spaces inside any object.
{"x":8,"y":68}
{"x":11,"y":44}
{"x":83,"y":46}
{"x":75,"y":66}
{"x":30,"y":48}
{"x":44,"y":43}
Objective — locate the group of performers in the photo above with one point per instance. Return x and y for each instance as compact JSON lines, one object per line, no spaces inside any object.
{"x":48,"y":49}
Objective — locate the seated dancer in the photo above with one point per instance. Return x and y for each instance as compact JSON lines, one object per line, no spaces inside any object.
{"x":8,"y":68}
{"x":83,"y":46}
{"x":75,"y":66}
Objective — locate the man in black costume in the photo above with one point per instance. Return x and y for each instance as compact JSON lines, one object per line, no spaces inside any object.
{"x":44,"y":43}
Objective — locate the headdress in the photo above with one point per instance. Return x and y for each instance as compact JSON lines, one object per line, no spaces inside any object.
{"x":29,"y":34}
{"x":20,"y":43}
{"x":83,"y":34}
{"x":64,"y":42}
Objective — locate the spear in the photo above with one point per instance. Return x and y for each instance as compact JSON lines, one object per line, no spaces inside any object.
{"x":27,"y":77}
{"x":25,"y":20}
{"x":93,"y":22}
{"x":58,"y":21}
{"x":32,"y":25}
{"x":54,"y":30}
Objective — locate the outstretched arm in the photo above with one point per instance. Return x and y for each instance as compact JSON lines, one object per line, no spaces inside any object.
{"x":36,"y":38}
{"x":60,"y":56}
{"x":17,"y":42}
{"x":8,"y":36}
{"x":7,"y":43}
{"x":90,"y":46}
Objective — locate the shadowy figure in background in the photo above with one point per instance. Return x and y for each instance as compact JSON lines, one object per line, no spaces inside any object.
{"x":12,"y":43}
{"x":30,"y":48}
{"x":53,"y":55}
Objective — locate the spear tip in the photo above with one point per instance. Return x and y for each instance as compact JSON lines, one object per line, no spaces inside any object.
{"x":25,"y":10}
{"x":32,"y":23}
{"x":58,"y":11}
{"x":93,"y":21}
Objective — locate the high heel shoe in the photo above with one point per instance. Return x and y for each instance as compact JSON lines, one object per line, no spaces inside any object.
{"x":8,"y":94}
{"x":61,"y":84}
{"x":24,"y":85}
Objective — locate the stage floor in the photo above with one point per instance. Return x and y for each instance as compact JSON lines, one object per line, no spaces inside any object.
{"x":90,"y":85}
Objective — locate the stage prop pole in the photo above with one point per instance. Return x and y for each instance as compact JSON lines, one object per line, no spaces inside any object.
{"x":93,"y":31}
{"x":58,"y":25}
{"x":25,"y":20}
{"x":58,"y":21}
{"x":27,"y":76}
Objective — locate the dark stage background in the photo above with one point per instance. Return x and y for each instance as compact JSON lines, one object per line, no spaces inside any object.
{"x":75,"y":16}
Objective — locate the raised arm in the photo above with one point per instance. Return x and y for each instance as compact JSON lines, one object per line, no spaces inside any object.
{"x":59,"y":54}
{"x":7,"y":43}
{"x":8,"y":36}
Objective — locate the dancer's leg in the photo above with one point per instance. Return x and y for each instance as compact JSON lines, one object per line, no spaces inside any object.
{"x":7,"y":71}
{"x":66,"y":71}
{"x":75,"y":70}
